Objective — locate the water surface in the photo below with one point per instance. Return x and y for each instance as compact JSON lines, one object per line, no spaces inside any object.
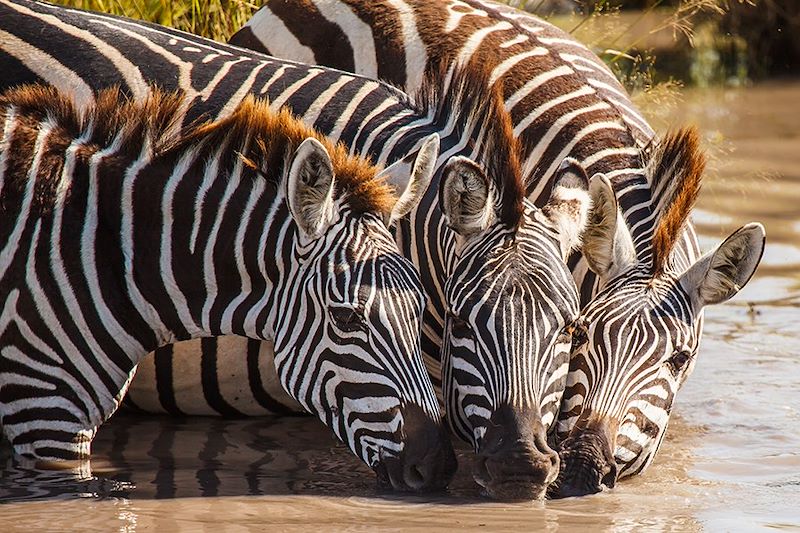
{"x":730,"y":461}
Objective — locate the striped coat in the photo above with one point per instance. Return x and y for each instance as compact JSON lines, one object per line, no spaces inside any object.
{"x":474,"y":222}
{"x":125,"y":231}
{"x":563,"y":101}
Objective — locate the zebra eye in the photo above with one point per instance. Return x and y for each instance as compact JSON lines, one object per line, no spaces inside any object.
{"x":679,"y":360}
{"x":458,"y":327}
{"x":347,"y":319}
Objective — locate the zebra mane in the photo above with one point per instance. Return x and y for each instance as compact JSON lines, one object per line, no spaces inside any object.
{"x":675,"y":167}
{"x":111,"y":118}
{"x":462,"y":95}
{"x":262,"y":138}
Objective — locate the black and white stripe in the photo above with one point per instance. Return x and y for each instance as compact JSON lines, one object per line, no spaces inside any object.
{"x":125,"y":232}
{"x":375,"y":119}
{"x":564,"y":102}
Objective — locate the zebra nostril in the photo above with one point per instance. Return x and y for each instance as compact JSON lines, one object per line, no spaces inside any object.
{"x":427,"y":461}
{"x":415,"y":476}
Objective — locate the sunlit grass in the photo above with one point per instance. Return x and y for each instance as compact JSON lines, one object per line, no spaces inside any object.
{"x":216,"y":19}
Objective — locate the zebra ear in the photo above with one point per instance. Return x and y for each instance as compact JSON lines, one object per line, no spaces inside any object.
{"x":607,"y":243}
{"x":466,"y":197}
{"x":309,"y":188}
{"x":411,"y":176}
{"x":568,"y":206}
{"x":721,"y":273}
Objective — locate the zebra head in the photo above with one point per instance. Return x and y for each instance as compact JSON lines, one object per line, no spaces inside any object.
{"x":355,"y":360}
{"x":512,"y":306}
{"x":638,"y":338}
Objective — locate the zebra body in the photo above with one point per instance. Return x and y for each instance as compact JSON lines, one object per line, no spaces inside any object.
{"x":474,"y":220}
{"x":125,"y":232}
{"x":563,"y":101}
{"x":237,"y":378}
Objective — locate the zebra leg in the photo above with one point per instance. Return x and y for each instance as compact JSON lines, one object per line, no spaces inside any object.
{"x":55,"y":391}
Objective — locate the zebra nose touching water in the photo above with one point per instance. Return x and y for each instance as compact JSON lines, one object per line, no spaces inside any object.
{"x":638,"y":339}
{"x":125,"y":231}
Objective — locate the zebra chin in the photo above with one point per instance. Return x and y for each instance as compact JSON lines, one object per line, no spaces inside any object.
{"x":514,"y":461}
{"x":427,"y":462}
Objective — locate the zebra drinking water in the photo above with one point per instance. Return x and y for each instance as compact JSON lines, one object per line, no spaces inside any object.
{"x":125,"y":231}
{"x":564,"y":102}
{"x":481,"y":227}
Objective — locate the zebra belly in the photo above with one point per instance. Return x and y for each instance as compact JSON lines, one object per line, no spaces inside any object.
{"x":217,"y":376}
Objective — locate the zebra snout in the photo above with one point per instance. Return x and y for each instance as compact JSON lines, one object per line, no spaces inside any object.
{"x":587,"y":465}
{"x":514,"y":460}
{"x":427,"y":462}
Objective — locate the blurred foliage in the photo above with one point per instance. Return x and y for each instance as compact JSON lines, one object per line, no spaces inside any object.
{"x":217,"y":19}
{"x":769,"y":31}
{"x":702,"y":42}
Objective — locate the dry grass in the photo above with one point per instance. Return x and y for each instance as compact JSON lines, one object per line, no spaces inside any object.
{"x":216,"y":19}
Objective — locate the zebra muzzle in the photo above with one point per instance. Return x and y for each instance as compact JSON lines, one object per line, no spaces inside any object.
{"x":427,"y":462}
{"x":514,"y":460}
{"x":587,"y":465}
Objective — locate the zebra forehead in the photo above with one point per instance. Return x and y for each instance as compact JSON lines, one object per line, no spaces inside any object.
{"x":379,"y":268}
{"x":463,"y":95}
{"x":659,"y":304}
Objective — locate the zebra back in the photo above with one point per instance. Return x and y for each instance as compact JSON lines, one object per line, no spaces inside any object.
{"x":564,"y":101}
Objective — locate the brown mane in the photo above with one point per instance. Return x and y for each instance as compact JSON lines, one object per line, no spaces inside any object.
{"x":264,"y":137}
{"x":111,"y":115}
{"x":464,"y":90}
{"x":253,"y":132}
{"x":675,"y":168}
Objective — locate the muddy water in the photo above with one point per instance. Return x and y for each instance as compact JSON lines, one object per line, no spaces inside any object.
{"x":731,"y":460}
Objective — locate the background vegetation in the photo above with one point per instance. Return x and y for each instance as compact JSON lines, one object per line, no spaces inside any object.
{"x":216,"y":19}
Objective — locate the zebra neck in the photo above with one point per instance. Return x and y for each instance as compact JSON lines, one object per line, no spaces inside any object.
{"x":206,"y":243}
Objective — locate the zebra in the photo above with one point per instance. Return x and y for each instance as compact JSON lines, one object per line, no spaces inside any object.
{"x":126,"y":231}
{"x":564,"y":102}
{"x":474,"y":223}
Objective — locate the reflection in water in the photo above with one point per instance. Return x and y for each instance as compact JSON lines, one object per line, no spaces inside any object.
{"x":198,"y":472}
{"x":731,"y":459}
